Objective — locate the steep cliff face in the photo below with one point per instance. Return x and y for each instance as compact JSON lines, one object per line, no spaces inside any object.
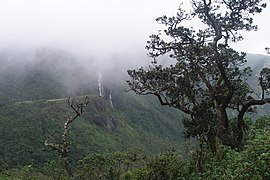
{"x":100,"y":113}
{"x":26,"y":124}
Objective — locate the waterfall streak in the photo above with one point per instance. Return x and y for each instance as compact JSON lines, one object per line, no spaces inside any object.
{"x":100,"y":84}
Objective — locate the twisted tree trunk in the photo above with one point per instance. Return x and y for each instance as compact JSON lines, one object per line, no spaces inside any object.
{"x":62,"y":149}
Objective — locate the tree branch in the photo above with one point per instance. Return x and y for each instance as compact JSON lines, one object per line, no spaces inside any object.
{"x":63,"y":148}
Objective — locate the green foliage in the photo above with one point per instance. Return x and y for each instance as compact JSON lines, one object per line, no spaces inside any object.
{"x":25,"y":173}
{"x":165,"y":166}
{"x":3,"y":166}
{"x":253,"y":162}
{"x":233,"y":131}
{"x":109,"y":165}
{"x":26,"y":125}
{"x":205,"y":77}
{"x":130,"y":165}
{"x":54,"y":169}
{"x":138,"y":122}
{"x":147,"y":114}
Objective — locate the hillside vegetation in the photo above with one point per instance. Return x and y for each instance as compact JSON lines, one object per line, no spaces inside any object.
{"x":33,"y":107}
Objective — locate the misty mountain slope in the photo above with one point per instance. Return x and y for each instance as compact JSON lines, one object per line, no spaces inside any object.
{"x":257,"y":62}
{"x":133,"y":121}
{"x":44,"y":74}
{"x":33,"y":88}
{"x":26,"y":125}
{"x":47,"y":73}
{"x":147,"y":113}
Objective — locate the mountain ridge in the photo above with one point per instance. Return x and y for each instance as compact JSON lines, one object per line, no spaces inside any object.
{"x":33,"y":107}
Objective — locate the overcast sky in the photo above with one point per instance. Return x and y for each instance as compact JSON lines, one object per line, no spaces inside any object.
{"x":98,"y":27}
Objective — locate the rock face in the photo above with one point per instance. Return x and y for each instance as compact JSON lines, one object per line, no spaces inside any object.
{"x":100,"y":113}
{"x":106,"y":123}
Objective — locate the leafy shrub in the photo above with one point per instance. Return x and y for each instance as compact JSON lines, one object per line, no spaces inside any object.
{"x":109,"y":165}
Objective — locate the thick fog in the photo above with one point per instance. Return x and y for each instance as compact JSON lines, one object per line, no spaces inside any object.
{"x":101,"y":35}
{"x":100,"y":28}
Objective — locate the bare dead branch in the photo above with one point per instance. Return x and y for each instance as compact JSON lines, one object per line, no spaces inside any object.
{"x":63,"y":148}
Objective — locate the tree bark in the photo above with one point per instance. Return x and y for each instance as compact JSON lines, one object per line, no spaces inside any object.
{"x":62,"y":149}
{"x":221,"y":129}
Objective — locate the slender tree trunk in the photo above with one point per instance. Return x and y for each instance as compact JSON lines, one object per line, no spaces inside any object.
{"x":67,"y":167}
{"x":222,"y":127}
{"x":240,"y":117}
{"x":62,"y":149}
{"x":240,"y":127}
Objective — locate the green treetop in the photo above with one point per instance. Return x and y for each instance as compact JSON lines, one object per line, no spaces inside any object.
{"x":207,"y":76}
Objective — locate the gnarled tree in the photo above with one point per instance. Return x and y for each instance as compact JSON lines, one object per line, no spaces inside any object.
{"x":63,"y":148}
{"x":207,"y":76}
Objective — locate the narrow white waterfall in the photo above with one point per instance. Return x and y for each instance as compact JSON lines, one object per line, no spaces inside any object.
{"x":110,"y":99}
{"x":100,"y":88}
